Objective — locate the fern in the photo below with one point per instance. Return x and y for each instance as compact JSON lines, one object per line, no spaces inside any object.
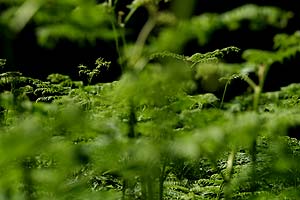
{"x":285,"y":41}
{"x":72,"y":20}
{"x":151,"y":134}
{"x":286,"y":47}
{"x":167,"y":54}
{"x":209,"y":57}
{"x":201,"y":28}
{"x":88,"y":75}
{"x":241,"y":76}
{"x":266,"y":15}
{"x":212,"y":56}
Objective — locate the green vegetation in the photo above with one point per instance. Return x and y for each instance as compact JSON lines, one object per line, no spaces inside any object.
{"x":165,"y":129}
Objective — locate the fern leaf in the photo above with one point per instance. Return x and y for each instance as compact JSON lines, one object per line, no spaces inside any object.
{"x":209,"y":57}
{"x":167,"y":54}
{"x":212,"y":56}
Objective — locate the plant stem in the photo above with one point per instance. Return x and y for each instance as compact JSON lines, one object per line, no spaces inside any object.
{"x":141,"y":40}
{"x":115,"y":30}
{"x":262,"y":73}
{"x":229,"y":171}
{"x":257,"y":93}
{"x":116,"y":40}
{"x":253,"y":158}
{"x":162,"y":178}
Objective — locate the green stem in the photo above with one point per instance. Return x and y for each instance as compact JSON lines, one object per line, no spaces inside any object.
{"x":250,"y":82}
{"x":116,"y":40}
{"x":115,"y":30}
{"x":141,"y":40}
{"x":132,"y":11}
{"x":229,"y":171}
{"x":262,"y":74}
{"x":253,"y":158}
{"x":257,"y":93}
{"x":162,"y":178}
{"x":223,"y":96}
{"x":24,"y":14}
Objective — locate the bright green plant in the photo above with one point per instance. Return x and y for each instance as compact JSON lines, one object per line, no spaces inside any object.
{"x":150,"y":134}
{"x":74,"y":20}
{"x":174,"y":36}
{"x":90,"y":75}
{"x":286,"y":47}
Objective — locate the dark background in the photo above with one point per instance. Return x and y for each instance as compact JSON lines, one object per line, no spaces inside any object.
{"x":25,"y":55}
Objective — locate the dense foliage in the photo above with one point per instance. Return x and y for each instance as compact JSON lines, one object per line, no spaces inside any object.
{"x":173,"y":126}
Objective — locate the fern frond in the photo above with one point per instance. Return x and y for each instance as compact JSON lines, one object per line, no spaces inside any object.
{"x":285,"y":41}
{"x":242,"y":76}
{"x":258,"y":56}
{"x":100,"y":62}
{"x":266,"y":15}
{"x":209,"y":57}
{"x":165,"y":54}
{"x":287,"y":46}
{"x":88,"y":75}
{"x":212,"y":56}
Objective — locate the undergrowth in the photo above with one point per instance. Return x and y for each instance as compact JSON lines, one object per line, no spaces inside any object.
{"x":165,"y":129}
